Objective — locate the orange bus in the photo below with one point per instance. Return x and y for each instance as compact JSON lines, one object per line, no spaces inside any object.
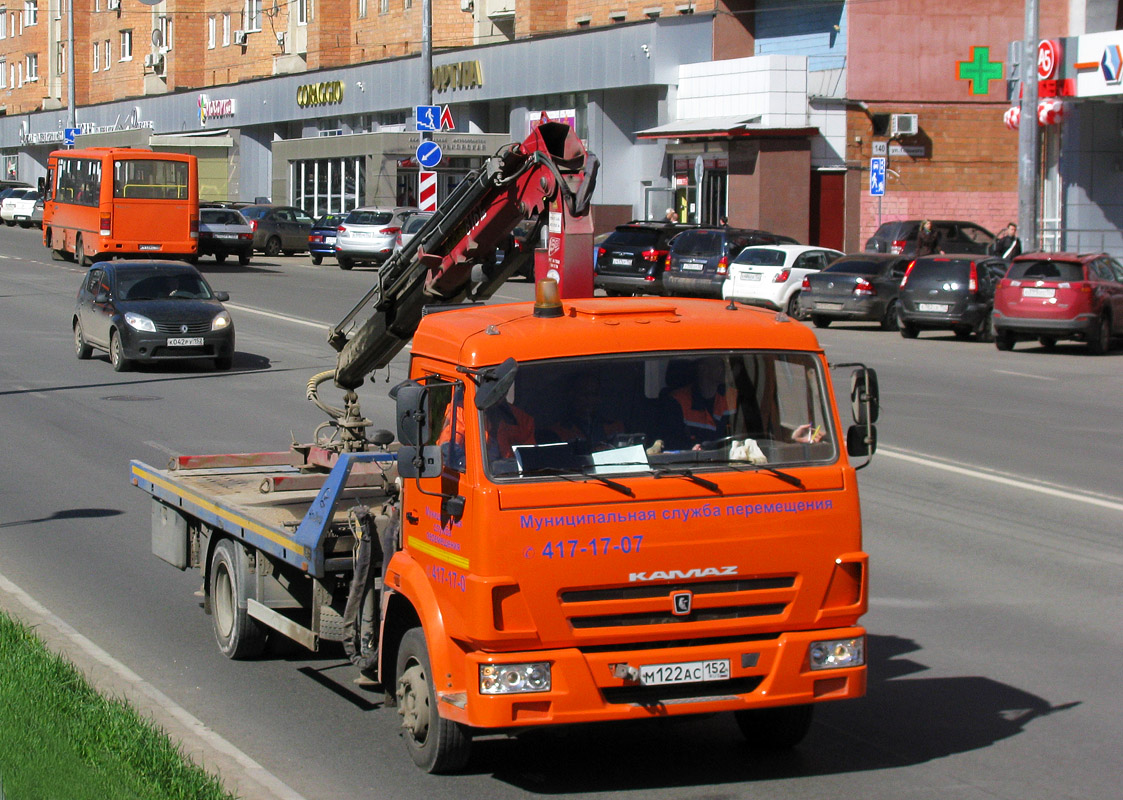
{"x":116,"y":202}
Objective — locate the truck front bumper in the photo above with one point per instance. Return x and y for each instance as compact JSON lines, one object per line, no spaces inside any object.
{"x":595,"y":686}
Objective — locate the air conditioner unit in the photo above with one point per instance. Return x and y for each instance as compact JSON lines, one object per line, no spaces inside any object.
{"x":114,"y":5}
{"x":240,"y":37}
{"x":903,"y":125}
{"x":150,"y":60}
{"x":467,"y":5}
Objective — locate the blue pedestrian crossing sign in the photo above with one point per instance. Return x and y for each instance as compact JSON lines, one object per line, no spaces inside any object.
{"x":428,"y":118}
{"x":68,"y":135}
{"x":428,"y":154}
{"x":877,"y":176}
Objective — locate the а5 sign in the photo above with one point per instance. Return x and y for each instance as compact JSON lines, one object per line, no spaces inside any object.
{"x":1048,"y":59}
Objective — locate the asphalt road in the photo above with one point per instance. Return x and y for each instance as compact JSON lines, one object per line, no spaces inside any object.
{"x":993,"y":516}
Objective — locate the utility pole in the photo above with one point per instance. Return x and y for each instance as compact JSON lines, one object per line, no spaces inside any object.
{"x":71,"y":121}
{"x":426,"y":52}
{"x":1028,"y":152}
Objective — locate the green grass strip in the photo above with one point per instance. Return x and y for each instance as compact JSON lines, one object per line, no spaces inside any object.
{"x":61,"y":740}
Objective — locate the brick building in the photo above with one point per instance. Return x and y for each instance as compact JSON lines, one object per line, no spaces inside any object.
{"x":766,"y":111}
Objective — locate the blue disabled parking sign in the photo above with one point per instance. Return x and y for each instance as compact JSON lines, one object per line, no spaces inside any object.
{"x":877,"y":176}
{"x":428,"y":154}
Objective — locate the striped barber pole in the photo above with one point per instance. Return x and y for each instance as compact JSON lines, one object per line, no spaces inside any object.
{"x":428,"y":190}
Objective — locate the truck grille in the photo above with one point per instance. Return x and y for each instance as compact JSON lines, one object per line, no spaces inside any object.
{"x":681,"y":693}
{"x":631,"y":606}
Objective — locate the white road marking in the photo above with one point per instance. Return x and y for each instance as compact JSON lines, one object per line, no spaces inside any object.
{"x":1025,"y":375}
{"x":265,"y":784}
{"x":284,"y":317}
{"x":1008,"y":479}
{"x":163,"y":449}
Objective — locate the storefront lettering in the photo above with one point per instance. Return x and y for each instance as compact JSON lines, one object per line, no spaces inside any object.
{"x":319,"y":94}
{"x":463,"y":75}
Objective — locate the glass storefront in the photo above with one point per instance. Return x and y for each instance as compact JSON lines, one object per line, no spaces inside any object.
{"x":327,"y":185}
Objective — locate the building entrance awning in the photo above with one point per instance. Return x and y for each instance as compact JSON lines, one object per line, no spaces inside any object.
{"x":725,"y":127}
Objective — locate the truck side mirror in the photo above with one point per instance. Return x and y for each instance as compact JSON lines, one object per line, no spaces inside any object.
{"x":419,"y":462}
{"x":861,"y":440}
{"x":412,"y":412}
{"x":494,"y":383}
{"x":865,"y":400}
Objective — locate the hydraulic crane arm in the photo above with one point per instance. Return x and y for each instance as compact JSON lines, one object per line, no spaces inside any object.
{"x":436,"y":266}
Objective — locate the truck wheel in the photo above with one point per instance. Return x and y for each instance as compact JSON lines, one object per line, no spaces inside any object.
{"x":117,"y":353}
{"x":238,"y":634}
{"x":775,"y":728}
{"x":436,"y":744}
{"x":81,"y":349}
{"x":820,"y":321}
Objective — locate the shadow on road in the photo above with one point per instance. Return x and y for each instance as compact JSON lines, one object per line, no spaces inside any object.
{"x":903,"y":720}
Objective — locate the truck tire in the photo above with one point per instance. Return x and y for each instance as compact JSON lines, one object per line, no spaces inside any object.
{"x":434,"y":743}
{"x":778,"y":728}
{"x":238,"y":634}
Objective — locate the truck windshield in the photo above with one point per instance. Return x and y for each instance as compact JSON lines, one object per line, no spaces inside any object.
{"x":649,"y":412}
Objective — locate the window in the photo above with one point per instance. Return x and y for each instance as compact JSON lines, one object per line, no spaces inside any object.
{"x":253,"y":15}
{"x":302,"y":9}
{"x":3,"y":73}
{"x":61,"y":69}
{"x":147,"y":178}
{"x":211,"y":28}
{"x":97,"y":56}
{"x":3,"y":23}
{"x":408,"y":5}
{"x":31,"y":12}
{"x":166,"y":32}
{"x":362,"y":9}
{"x":108,"y":54}
{"x":127,"y":45}
{"x":225,"y":30}
{"x":383,"y":6}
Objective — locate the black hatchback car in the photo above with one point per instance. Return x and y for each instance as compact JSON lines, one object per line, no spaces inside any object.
{"x":144,"y":311}
{"x":860,"y":287}
{"x":949,"y":292}
{"x":634,"y":256}
{"x":699,"y":261}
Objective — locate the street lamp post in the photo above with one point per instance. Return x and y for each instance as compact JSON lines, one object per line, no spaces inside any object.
{"x":1028,"y":154}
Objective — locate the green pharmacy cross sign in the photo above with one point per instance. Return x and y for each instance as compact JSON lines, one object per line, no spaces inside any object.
{"x":979,"y":71}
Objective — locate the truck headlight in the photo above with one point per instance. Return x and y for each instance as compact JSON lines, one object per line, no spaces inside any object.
{"x":838,"y":653}
{"x":514,"y":678}
{"x":139,"y":322}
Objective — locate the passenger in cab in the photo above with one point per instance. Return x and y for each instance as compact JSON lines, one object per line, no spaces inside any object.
{"x":707,"y":404}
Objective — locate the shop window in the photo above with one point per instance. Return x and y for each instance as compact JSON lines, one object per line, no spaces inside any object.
{"x":328,"y":185}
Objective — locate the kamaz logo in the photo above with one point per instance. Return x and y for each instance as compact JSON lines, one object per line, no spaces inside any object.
{"x":682,"y":574}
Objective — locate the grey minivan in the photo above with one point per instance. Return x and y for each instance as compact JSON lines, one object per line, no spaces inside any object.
{"x":949,"y":292}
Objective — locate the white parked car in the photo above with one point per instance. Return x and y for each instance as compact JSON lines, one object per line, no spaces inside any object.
{"x":369,"y":235}
{"x":771,"y":275}
{"x":17,"y":206}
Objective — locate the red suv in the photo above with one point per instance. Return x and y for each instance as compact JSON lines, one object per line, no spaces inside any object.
{"x":1051,"y":296}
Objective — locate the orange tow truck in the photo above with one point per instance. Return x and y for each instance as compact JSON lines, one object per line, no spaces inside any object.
{"x":588,"y":509}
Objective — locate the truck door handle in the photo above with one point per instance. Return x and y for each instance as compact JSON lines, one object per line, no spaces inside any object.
{"x":412,"y":518}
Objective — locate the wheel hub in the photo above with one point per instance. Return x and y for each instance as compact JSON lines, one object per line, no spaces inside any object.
{"x":413,"y":702}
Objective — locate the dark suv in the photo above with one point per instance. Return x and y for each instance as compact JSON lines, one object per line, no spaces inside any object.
{"x":952,"y":236}
{"x":953,"y":292}
{"x":634,"y":256}
{"x":700,"y":258}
